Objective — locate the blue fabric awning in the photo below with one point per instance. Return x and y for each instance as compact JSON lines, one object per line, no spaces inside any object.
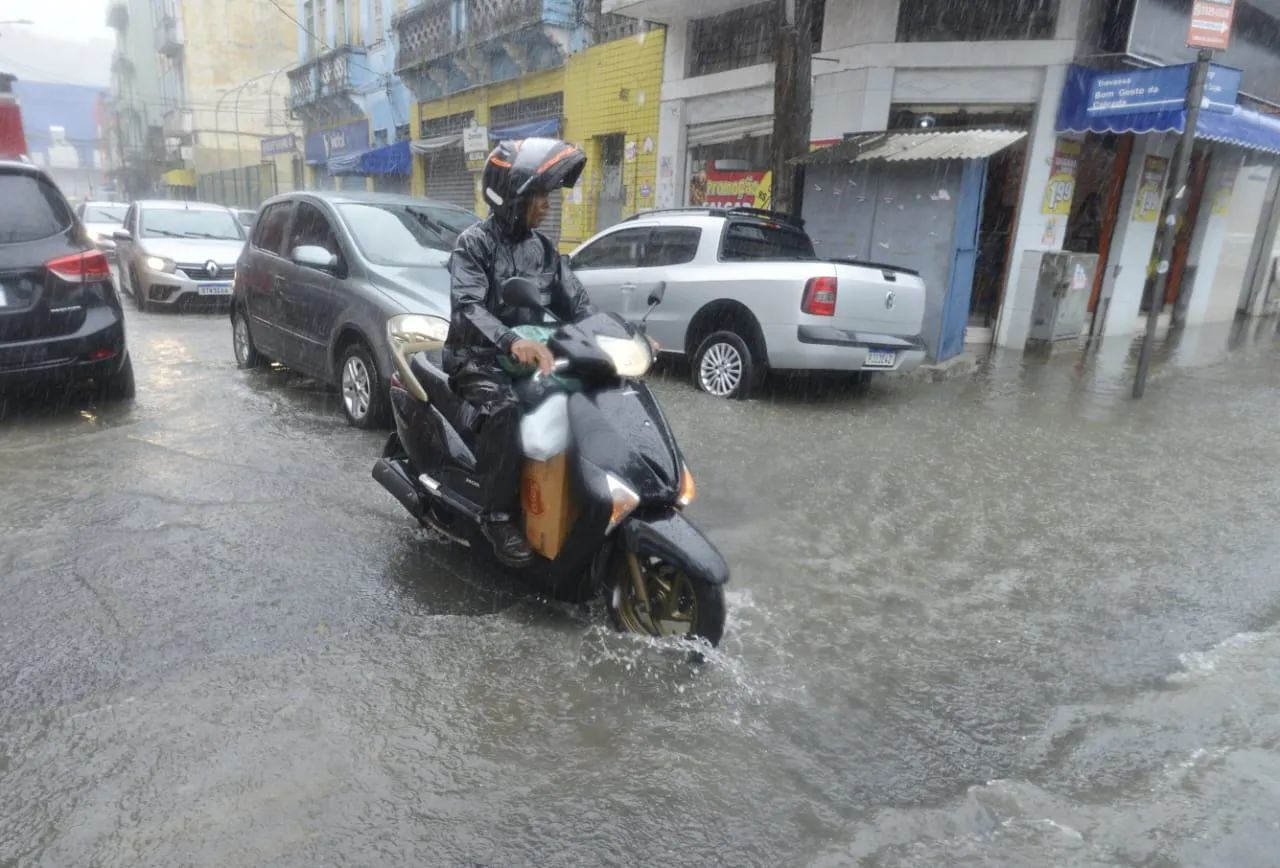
{"x":393,"y":159}
{"x":347,"y":164}
{"x":549,"y":128}
{"x":1240,"y":126}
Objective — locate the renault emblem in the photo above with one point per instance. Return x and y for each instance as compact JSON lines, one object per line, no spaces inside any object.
{"x":211,"y":269}
{"x":890,"y":299}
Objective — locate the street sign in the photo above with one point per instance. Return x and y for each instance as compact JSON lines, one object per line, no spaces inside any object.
{"x":1211,"y":24}
{"x":1163,"y":88}
{"x":1138,"y":91}
{"x":1221,"y":89}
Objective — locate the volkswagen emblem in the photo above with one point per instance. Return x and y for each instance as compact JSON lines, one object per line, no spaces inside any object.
{"x":211,"y":269}
{"x":890,"y":299}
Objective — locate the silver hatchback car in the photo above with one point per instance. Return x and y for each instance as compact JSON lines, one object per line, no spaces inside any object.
{"x":172,"y":251}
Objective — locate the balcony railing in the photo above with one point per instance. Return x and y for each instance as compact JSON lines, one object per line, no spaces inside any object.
{"x":437,"y":28}
{"x":177,"y":123}
{"x":329,"y":75}
{"x":170,"y":38}
{"x":118,"y":14}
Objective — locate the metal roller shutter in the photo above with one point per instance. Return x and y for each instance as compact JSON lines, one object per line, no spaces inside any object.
{"x":449,"y":180}
{"x":551,"y":226}
{"x":722,"y":132}
{"x":402,"y":184}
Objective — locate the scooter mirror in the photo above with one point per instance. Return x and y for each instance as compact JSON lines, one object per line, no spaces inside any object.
{"x":659,"y":292}
{"x":520,"y":292}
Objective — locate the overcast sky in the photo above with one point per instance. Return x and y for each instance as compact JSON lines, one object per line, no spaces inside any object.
{"x":78,"y":20}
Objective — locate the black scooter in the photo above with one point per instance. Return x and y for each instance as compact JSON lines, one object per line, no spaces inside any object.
{"x":602,"y":504}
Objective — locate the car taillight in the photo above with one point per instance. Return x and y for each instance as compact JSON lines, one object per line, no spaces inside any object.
{"x":89,"y":267}
{"x":819,"y":297}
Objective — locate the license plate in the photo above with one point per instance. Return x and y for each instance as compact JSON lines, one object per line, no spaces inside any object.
{"x":880,"y":359}
{"x":215,"y":289}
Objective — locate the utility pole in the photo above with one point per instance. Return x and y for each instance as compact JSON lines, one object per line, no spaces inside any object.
{"x":792,"y":103}
{"x":1176,"y":207}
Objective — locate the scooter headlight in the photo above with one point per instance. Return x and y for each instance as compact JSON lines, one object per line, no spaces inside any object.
{"x":624,"y":501}
{"x":413,"y":333}
{"x":631,"y":357}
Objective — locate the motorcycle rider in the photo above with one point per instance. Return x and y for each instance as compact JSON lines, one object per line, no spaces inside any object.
{"x":518,"y":180}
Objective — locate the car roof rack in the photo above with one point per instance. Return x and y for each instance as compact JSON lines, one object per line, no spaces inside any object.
{"x":712,"y":211}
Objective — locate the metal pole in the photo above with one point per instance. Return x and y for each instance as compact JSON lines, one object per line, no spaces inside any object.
{"x":1176,"y":208}
{"x":217,"y":132}
{"x":239,"y":150}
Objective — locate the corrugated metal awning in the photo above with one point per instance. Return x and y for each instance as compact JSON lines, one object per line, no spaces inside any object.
{"x":922,"y":145}
{"x":439,"y":143}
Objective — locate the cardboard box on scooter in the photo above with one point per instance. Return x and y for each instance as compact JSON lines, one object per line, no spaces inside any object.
{"x":549,"y":510}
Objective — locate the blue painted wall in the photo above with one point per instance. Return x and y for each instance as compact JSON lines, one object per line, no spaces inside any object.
{"x":71,"y":106}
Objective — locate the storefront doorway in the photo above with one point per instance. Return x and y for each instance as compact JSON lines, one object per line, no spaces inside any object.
{"x":1104,"y":161}
{"x":728,"y":163}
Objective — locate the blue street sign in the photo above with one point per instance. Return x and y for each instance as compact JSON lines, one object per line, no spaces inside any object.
{"x":1221,"y":89}
{"x":1164,"y":88}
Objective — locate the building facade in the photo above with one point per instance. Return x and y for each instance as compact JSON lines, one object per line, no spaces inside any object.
{"x":134,"y":144}
{"x":63,"y":124}
{"x":973,"y":210}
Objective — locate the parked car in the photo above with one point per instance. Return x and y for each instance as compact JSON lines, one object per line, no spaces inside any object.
{"x":61,"y":322}
{"x":172,"y":251}
{"x":102,"y":219}
{"x":246,"y":217}
{"x":321,"y":275}
{"x":746,"y":293}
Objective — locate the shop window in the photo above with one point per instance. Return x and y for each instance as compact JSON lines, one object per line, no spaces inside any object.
{"x":379,"y":138}
{"x":931,"y":21}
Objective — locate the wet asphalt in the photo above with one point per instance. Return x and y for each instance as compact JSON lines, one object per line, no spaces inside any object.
{"x":1012,"y":619}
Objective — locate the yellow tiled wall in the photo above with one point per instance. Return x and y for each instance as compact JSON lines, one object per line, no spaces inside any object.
{"x":608,"y":89}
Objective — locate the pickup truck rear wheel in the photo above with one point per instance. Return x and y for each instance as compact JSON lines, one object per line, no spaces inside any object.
{"x":723,"y":366}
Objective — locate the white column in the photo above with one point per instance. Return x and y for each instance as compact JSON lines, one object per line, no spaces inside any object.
{"x":1209,"y":234}
{"x":1132,"y":245}
{"x":668,"y":192}
{"x":1014,"y":322}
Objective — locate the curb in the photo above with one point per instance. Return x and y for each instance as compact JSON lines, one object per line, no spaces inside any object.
{"x":962,"y":365}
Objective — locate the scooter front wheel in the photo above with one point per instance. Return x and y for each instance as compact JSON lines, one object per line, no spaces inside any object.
{"x":655,"y":598}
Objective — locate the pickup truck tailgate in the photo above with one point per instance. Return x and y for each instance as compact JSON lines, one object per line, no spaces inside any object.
{"x":879,"y":298}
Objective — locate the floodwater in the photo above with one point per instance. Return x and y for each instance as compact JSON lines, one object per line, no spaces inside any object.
{"x":1015,"y":619}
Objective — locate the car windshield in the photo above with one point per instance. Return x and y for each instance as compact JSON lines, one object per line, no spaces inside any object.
{"x":105,"y":213}
{"x":753,"y":241}
{"x":190,"y":223}
{"x":394,"y":233}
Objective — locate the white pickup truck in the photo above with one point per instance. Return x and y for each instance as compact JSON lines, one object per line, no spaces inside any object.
{"x":746,"y":293}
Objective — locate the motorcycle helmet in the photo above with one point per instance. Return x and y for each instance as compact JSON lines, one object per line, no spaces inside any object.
{"x":517,"y":169}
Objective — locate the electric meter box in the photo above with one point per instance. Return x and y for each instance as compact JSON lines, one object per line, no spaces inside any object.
{"x":1062,"y":296}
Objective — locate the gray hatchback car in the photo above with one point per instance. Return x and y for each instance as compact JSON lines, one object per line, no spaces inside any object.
{"x":321,"y":275}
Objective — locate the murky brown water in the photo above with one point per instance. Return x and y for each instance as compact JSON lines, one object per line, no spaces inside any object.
{"x":1013,"y":620}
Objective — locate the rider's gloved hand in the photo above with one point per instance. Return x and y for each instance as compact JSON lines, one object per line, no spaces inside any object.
{"x":531,"y":353}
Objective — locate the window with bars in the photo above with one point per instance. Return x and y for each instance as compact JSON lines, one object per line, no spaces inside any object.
{"x":733,"y":40}
{"x":532,"y":109}
{"x":429,"y":128}
{"x":931,"y":21}
{"x":402,"y":132}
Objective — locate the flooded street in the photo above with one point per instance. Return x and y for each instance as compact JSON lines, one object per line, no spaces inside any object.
{"x":1015,"y":619}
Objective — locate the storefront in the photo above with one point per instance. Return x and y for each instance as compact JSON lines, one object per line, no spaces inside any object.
{"x":390,"y":167}
{"x":728,"y":162}
{"x":1123,"y":193}
{"x":322,"y":147}
{"x":281,"y":165}
{"x":528,"y":118}
{"x":444,"y":163}
{"x":915,"y":200}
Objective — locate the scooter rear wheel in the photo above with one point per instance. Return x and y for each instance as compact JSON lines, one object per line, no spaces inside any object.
{"x":673,"y":603}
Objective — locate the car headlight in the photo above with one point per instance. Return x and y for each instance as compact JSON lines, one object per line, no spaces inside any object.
{"x":631,"y":357}
{"x":159,"y":263}
{"x":410,"y":329}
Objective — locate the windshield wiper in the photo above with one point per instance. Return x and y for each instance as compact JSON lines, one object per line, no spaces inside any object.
{"x":428,"y":221}
{"x":206,"y":235}
{"x":165,"y":232}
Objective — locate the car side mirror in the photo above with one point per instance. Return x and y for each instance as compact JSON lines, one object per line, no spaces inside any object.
{"x":520,"y":292}
{"x":122,"y":235}
{"x":659,"y":293}
{"x":314,"y":256}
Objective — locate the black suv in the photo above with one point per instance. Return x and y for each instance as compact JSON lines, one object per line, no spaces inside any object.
{"x":61,"y":323}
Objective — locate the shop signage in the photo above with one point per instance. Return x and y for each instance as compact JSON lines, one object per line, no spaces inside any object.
{"x":322,"y":145}
{"x":277,"y":145}
{"x":1061,"y":188}
{"x":723,"y":189}
{"x":1146,"y":203}
{"x":1163,"y":88}
{"x":475,"y":144}
{"x":1211,"y":24}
